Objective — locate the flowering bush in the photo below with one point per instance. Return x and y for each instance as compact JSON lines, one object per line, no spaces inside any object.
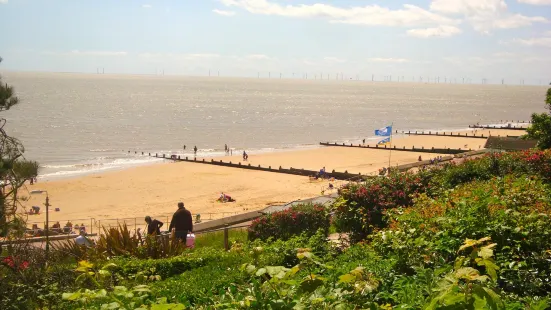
{"x":360,"y":208}
{"x":14,"y":264}
{"x":300,"y":219}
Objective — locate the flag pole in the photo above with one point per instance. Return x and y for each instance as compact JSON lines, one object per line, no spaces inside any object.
{"x":390,"y":152}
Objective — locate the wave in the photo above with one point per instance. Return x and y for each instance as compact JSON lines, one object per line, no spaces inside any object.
{"x":99,"y":164}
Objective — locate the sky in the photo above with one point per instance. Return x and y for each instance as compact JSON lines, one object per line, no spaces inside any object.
{"x":365,"y":39}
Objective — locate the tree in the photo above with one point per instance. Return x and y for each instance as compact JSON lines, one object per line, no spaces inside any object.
{"x":541,"y":126}
{"x":14,"y":169}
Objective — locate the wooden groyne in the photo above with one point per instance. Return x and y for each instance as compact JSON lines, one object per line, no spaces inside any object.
{"x":402,"y":149}
{"x":443,"y":134}
{"x":294,"y":171}
{"x":498,"y":127}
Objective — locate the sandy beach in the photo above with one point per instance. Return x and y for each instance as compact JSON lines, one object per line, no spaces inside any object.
{"x":155,"y":189}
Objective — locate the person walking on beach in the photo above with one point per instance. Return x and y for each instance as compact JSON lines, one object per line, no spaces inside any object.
{"x":181,"y":223}
{"x":184,"y":147}
{"x":226,"y":149}
{"x":153,"y":226}
{"x":195,"y":150}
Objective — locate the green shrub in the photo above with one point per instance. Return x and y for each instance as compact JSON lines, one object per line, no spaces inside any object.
{"x":198,"y":286}
{"x":361,"y":208}
{"x":513,"y":211}
{"x":167,"y":267}
{"x":300,"y":219}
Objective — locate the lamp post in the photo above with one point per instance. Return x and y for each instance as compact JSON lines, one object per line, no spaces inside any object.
{"x":46,"y":228}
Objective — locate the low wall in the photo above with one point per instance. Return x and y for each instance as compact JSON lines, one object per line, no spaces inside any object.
{"x":227,"y":221}
{"x":403,"y":149}
{"x":294,"y":171}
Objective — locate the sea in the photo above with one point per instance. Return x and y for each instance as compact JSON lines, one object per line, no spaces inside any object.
{"x":75,"y":124}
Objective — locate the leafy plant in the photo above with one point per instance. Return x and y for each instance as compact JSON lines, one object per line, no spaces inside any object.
{"x":466,"y":287}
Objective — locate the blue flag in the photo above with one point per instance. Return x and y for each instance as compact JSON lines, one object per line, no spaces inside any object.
{"x":385,"y":131}
{"x":384,"y":141}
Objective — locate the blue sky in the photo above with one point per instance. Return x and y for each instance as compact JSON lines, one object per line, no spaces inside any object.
{"x":453,"y":38}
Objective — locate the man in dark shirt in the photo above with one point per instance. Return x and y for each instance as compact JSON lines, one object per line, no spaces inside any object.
{"x":182,"y":223}
{"x":153,"y":226}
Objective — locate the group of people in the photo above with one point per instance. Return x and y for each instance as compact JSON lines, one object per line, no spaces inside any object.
{"x":225,"y":198}
{"x":56,"y":229}
{"x":435,"y":160}
{"x":181,"y":224}
{"x":194,"y":149}
{"x":384,"y":171}
{"x":228,"y":150}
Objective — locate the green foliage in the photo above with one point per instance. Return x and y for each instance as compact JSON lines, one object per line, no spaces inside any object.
{"x":26,"y":169}
{"x":216,"y":239}
{"x":540,"y":130}
{"x":7,"y":95}
{"x":514,"y":212}
{"x":361,"y":207}
{"x":300,"y":219}
{"x":466,"y":287}
{"x":167,"y":267}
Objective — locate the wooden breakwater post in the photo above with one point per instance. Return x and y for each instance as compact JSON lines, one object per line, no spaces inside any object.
{"x":226,"y":238}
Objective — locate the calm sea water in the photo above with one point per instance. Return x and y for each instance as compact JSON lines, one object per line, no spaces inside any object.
{"x":81,"y":123}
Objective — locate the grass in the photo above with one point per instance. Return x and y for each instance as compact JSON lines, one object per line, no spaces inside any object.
{"x":216,"y":239}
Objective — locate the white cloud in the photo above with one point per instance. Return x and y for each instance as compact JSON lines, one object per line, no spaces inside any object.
{"x":390,"y":60}
{"x":543,"y":42}
{"x":503,"y":54}
{"x":3,"y":1}
{"x":147,"y":6}
{"x":224,"y":13}
{"x":87,"y":53}
{"x":485,"y":15}
{"x":258,"y":57}
{"x":334,"y":59}
{"x":536,"y":2}
{"x":206,"y":55}
{"x":440,"y":31}
{"x":409,"y":15}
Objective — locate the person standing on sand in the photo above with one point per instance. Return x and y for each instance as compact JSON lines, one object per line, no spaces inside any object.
{"x":184,"y":147}
{"x":153,"y":226}
{"x":195,"y":150}
{"x":181,"y":223}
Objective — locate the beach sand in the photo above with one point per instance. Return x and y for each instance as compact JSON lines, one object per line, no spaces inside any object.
{"x":156,"y":189}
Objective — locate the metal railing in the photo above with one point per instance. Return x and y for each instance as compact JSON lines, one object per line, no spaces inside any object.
{"x":91,"y":224}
